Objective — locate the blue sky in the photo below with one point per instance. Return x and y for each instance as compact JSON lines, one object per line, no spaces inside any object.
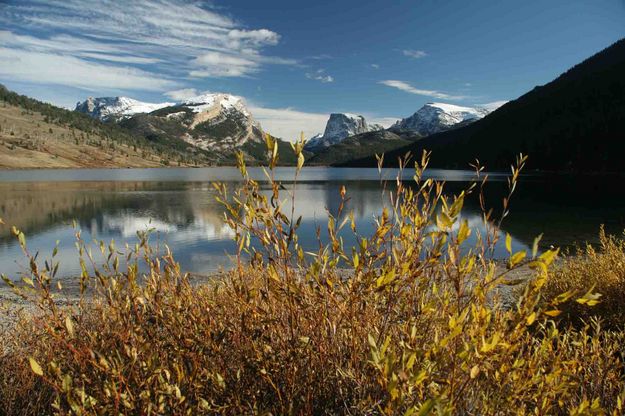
{"x":295,"y":62}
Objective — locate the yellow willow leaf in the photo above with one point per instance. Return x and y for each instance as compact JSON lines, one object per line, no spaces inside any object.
{"x":269,"y":141}
{"x":516,"y":258}
{"x":531,"y":318}
{"x":464,"y":231}
{"x":509,"y":243}
{"x":548,"y":256}
{"x":553,"y":313}
{"x":589,"y":299}
{"x":443,"y":221}
{"x":535,"y":245}
{"x":300,"y":160}
{"x":69,"y":325}
{"x":475,"y":371}
{"x":34,"y":365}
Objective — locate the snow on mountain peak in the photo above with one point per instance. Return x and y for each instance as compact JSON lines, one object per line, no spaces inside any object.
{"x":105,"y":107}
{"x":436,"y":117}
{"x":339,"y":127}
{"x":226,"y":101}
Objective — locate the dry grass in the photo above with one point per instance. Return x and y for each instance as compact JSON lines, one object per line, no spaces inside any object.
{"x":600,"y":269}
{"x":413,"y":326}
{"x":28,"y":141}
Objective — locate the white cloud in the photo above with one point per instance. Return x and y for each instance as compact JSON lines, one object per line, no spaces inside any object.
{"x":287,"y":123}
{"x":414,"y":53}
{"x":68,"y":70}
{"x":375,"y":66}
{"x":320,"y":75}
{"x":406,"y":87}
{"x":383,"y":121}
{"x":184,"y":38}
{"x":245,"y":38}
{"x":218,"y":64}
{"x":182,"y":94}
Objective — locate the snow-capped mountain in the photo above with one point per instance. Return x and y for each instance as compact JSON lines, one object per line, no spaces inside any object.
{"x":218,"y":123}
{"x":106,"y":108}
{"x":436,"y":117}
{"x":339,"y":127}
{"x":209,"y":101}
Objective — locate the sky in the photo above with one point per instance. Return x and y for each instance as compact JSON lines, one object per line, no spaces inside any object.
{"x":296,"y":62}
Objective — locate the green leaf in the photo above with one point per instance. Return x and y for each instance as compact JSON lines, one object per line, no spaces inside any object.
{"x":371,"y":341}
{"x":426,"y":407}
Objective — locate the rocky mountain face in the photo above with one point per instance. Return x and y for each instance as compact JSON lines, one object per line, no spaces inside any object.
{"x":217,"y":124}
{"x":362,"y":145}
{"x":339,"y":127}
{"x":436,"y":117}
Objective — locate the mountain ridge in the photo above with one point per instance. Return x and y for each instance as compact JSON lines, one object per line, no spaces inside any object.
{"x":573,"y":123}
{"x":217,"y":123}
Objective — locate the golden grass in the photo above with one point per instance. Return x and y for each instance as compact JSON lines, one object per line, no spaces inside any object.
{"x":600,"y":269}
{"x":408,"y":323}
{"x":28,"y":141}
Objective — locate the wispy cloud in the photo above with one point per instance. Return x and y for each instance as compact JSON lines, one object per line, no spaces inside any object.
{"x":184,"y":38}
{"x":406,"y":87}
{"x":321,"y":57}
{"x":375,"y":66}
{"x":320,"y":75}
{"x":416,"y":54}
{"x":68,"y":70}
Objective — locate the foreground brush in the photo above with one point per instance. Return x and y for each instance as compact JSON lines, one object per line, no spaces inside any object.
{"x":414,"y":320}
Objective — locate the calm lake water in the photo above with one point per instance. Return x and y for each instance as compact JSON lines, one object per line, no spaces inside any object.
{"x":179,"y":204}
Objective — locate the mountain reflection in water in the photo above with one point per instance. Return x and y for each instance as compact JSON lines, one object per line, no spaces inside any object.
{"x":179,"y":207}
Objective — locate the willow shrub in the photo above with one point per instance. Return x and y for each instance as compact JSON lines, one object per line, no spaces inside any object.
{"x":599,"y":268}
{"x":410,"y":321}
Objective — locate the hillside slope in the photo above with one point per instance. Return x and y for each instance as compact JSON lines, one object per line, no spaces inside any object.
{"x":39,"y":135}
{"x":574,"y":123}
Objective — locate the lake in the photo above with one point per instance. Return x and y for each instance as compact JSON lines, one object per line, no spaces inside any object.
{"x":180,"y":206}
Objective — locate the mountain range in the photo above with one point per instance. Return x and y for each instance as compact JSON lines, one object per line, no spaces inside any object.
{"x":575,"y":123}
{"x":221,"y":124}
{"x":348,"y":137}
{"x":216,"y":124}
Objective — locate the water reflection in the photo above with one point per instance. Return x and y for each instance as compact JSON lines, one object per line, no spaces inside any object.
{"x":185,"y":215}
